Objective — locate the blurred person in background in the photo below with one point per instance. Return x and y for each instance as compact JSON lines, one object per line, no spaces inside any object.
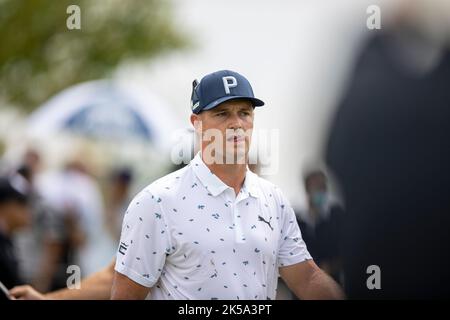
{"x":388,"y":147}
{"x":118,"y":198}
{"x":58,"y":190}
{"x":39,"y":246}
{"x":75,"y":195}
{"x":14,"y":215}
{"x":320,"y":223}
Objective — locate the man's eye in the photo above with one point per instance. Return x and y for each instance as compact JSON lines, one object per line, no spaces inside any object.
{"x":245,"y":113}
{"x":220,"y":114}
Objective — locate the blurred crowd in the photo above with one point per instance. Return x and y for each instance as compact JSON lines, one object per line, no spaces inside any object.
{"x":50,"y":220}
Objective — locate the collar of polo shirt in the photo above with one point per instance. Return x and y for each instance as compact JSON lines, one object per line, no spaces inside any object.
{"x":216,"y":186}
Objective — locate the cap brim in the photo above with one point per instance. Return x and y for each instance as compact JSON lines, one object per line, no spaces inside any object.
{"x":256,"y":102}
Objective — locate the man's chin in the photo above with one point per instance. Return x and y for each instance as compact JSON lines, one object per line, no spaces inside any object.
{"x":232,"y":155}
{"x":237,"y":156}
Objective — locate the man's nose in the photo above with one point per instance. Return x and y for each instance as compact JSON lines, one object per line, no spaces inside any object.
{"x":235,"y":121}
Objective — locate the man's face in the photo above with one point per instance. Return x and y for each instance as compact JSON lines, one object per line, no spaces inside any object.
{"x":316,"y":183}
{"x":226,"y":131}
{"x":316,"y":187}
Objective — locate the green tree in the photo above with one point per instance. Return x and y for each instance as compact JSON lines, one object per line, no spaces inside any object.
{"x":40,"y":56}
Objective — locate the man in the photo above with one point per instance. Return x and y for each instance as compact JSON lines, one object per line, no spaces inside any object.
{"x":321,"y":223}
{"x":215,"y":230}
{"x":14,"y":214}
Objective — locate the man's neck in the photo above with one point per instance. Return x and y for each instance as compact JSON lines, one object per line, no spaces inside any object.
{"x":233,"y":175}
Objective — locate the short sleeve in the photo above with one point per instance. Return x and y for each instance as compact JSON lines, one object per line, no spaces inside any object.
{"x":292,"y":249}
{"x":144,"y":241}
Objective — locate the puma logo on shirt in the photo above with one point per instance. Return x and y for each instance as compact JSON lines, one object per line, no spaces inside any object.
{"x":265,"y":221}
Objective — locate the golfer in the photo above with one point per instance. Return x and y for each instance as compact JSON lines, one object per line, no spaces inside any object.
{"x":214,"y":229}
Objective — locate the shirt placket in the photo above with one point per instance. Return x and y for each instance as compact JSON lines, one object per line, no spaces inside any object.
{"x":237,"y":220}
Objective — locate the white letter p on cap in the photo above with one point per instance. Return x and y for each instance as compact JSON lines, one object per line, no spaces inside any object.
{"x":227,"y":84}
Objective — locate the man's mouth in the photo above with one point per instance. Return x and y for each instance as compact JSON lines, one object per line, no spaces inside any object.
{"x":236,"y":139}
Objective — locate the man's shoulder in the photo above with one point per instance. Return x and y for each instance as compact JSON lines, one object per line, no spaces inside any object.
{"x":169,"y":184}
{"x":261,"y":182}
{"x":268,"y":188}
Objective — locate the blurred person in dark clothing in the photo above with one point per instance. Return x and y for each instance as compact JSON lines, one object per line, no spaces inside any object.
{"x":320,"y":223}
{"x":40,"y":246}
{"x":74,"y":194}
{"x":118,"y":199}
{"x":389,"y":148}
{"x":14,"y":215}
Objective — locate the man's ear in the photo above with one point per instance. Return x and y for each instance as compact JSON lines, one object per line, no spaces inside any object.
{"x":196,"y":122}
{"x":193,"y":119}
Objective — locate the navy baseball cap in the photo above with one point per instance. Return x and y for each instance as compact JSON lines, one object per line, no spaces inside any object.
{"x":218,"y":87}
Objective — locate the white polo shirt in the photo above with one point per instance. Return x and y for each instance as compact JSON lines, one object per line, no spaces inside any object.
{"x":188,"y":236}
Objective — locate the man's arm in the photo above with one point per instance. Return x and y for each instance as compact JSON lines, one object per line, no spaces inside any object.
{"x":52,"y":253}
{"x":144,"y":246}
{"x":126,"y":289}
{"x":94,"y":287}
{"x":309,"y":282}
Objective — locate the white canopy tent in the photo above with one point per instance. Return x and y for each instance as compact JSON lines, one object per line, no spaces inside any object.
{"x":106,"y":110}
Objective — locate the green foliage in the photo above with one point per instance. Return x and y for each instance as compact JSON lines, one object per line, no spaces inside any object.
{"x":40,"y":56}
